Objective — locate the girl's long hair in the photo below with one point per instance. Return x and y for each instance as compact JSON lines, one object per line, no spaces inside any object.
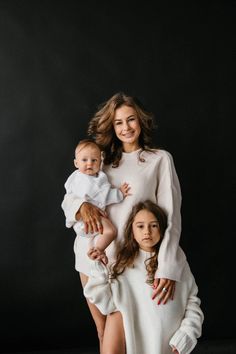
{"x":102,"y":130}
{"x":129,"y":250}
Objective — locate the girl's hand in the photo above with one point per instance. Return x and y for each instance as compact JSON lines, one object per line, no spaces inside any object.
{"x":175,"y":351}
{"x":91,"y":217}
{"x":164,"y":289}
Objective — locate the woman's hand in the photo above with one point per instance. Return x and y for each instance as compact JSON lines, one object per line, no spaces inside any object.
{"x":175,"y":351}
{"x":164,"y":289}
{"x":91,"y":217}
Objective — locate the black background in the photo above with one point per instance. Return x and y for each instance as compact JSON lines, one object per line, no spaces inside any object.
{"x":58,"y":61}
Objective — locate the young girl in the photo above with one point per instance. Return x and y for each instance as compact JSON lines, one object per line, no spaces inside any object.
{"x":148,"y":328}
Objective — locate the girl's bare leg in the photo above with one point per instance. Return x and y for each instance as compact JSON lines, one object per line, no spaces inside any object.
{"x":98,"y":317}
{"x":114,"y":335}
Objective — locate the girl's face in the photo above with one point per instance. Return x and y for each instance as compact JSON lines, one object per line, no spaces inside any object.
{"x":146,"y":230}
{"x":127,"y":127}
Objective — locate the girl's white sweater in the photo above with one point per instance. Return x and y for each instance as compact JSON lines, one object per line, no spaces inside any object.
{"x":149,"y":328}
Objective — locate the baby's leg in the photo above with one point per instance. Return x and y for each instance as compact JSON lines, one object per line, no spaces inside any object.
{"x":109,"y":234}
{"x":103,"y":240}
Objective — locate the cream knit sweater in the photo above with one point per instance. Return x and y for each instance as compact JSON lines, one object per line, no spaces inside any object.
{"x":154,"y":179}
{"x":149,"y":328}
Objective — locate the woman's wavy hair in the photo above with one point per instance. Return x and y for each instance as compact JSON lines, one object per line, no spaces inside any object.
{"x":102,"y":130}
{"x":128,"y":251}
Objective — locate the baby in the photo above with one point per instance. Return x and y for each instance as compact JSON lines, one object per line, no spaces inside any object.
{"x":88,"y":182}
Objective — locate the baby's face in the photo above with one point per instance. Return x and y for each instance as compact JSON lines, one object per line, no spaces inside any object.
{"x":88,"y":160}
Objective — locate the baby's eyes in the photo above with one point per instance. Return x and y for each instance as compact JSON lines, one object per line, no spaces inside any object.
{"x":93,"y":160}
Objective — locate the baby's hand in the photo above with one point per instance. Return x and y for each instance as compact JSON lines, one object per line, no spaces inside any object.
{"x":124,"y":188}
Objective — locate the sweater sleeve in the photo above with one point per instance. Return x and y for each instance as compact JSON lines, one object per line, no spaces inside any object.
{"x":70,"y":205}
{"x":71,"y":202}
{"x":171,"y":258}
{"x":98,"y":289}
{"x":185,"y":338}
{"x":107,"y":192}
{"x":114,"y":196}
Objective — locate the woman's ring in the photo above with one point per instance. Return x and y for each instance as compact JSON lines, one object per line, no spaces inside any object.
{"x":165,"y":290}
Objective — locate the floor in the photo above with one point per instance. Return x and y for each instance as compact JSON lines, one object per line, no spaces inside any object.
{"x":206,"y":347}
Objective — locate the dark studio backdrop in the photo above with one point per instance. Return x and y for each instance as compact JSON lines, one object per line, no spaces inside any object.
{"x":58,"y":61}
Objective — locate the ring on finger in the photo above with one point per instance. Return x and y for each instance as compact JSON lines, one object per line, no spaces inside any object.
{"x":165,"y":290}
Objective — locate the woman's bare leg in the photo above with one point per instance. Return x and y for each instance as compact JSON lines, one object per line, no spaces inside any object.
{"x":114,"y":335}
{"x":98,"y":317}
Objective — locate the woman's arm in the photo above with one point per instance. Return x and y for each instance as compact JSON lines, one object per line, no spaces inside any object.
{"x":98,"y":290}
{"x":77,"y":208}
{"x":171,"y":258}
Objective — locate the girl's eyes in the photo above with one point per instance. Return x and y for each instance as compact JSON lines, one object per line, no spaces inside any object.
{"x":152,"y":225}
{"x":155,"y":225}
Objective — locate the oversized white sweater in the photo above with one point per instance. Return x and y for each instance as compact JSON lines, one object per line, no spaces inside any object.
{"x":94,"y":189}
{"x":149,"y":328}
{"x":154,"y":179}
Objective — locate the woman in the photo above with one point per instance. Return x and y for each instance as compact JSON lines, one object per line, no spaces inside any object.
{"x":123,"y":130}
{"x":149,"y":328}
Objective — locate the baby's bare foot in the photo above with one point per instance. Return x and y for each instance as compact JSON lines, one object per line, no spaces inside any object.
{"x":92,"y":253}
{"x":98,"y":255}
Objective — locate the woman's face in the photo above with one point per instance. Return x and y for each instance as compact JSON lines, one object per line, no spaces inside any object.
{"x":127,"y":127}
{"x":146,"y":230}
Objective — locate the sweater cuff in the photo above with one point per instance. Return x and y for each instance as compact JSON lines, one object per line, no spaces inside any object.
{"x":182,"y":342}
{"x":98,"y":270}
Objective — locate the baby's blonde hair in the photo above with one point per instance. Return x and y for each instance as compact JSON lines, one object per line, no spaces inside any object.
{"x":84,"y":143}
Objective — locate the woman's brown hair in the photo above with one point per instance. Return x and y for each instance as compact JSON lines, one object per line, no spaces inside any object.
{"x":102,"y":130}
{"x":129,"y":250}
